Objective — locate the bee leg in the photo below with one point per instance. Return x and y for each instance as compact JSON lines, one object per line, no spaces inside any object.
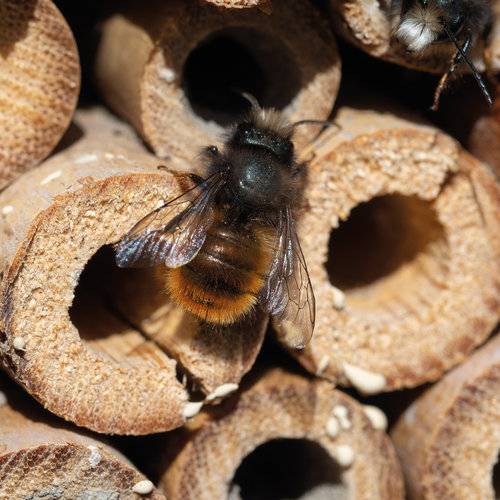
{"x":457,"y":57}
{"x":181,"y":175}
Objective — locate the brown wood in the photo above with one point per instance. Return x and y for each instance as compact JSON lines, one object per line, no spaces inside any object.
{"x":39,"y":83}
{"x":104,"y":354}
{"x":140,"y":67}
{"x":42,"y":457}
{"x":409,"y":284}
{"x":448,"y":440}
{"x":367,"y":24}
{"x":359,"y":461}
{"x":264,"y":5}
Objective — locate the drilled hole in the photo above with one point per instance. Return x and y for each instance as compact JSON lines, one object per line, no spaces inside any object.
{"x":392,"y":240}
{"x":234,"y":60}
{"x":287,"y":468}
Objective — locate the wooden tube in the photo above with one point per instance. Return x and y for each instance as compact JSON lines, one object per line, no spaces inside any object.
{"x":368,"y":25}
{"x":448,"y":440}
{"x":484,"y":138}
{"x":401,"y":234}
{"x":42,"y":457}
{"x":84,"y":350}
{"x":175,"y":70}
{"x":39,"y":83}
{"x":283,"y":436}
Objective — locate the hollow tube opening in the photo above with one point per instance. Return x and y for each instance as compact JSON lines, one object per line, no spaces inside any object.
{"x":110,"y":305}
{"x":390,"y":249}
{"x":288,"y":468}
{"x":235,"y":60}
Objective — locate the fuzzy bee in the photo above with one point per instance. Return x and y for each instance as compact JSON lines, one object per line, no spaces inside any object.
{"x":228,"y":243}
{"x":423,"y":25}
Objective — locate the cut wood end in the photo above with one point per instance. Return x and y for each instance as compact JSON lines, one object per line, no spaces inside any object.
{"x":448,"y":440}
{"x":101,"y":345}
{"x":274,"y":427}
{"x":406,"y":225}
{"x":179,"y":106}
{"x":40,"y":82}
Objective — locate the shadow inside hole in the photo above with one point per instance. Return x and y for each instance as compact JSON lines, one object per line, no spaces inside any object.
{"x":495,"y":480}
{"x":234,"y":60}
{"x":93,"y":311}
{"x":379,"y":237}
{"x":286,"y":469}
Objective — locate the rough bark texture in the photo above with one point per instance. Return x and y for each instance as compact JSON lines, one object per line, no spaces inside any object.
{"x":401,"y":234}
{"x":282,"y":406}
{"x":102,"y":354}
{"x":41,"y":457}
{"x":448,"y":440}
{"x":39,"y":83}
{"x":141,"y":68}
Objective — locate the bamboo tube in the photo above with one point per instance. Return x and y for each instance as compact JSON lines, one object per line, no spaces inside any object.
{"x":84,"y":351}
{"x":39,"y":83}
{"x":401,"y":234}
{"x":284,"y":436}
{"x":175,"y":70}
{"x":448,"y":440}
{"x":40,"y":457}
{"x":368,"y":25}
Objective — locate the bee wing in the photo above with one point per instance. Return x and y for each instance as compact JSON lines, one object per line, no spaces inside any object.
{"x":287,"y":293}
{"x":174,"y":233}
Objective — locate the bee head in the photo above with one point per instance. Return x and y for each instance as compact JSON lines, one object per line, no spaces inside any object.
{"x":261,"y":154}
{"x":422,"y":22}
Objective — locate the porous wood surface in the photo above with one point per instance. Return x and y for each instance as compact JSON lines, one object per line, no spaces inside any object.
{"x":39,"y":83}
{"x":418,"y":269}
{"x":280,"y":405}
{"x":141,"y":55}
{"x":42,"y":457}
{"x":88,"y":357}
{"x":448,"y":440}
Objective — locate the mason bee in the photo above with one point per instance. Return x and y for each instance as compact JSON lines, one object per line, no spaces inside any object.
{"x":424,"y":25}
{"x":228,"y":242}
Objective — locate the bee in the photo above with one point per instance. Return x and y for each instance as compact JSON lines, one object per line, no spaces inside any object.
{"x":424,"y":25}
{"x":228,"y":243}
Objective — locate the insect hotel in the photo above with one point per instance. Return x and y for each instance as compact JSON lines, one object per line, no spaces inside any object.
{"x":249,"y":249}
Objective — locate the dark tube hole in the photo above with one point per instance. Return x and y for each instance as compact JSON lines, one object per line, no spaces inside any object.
{"x":234,"y":60}
{"x":287,"y":469}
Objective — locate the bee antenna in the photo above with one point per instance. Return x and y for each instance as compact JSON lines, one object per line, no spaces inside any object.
{"x":250,"y":98}
{"x":326,"y":123}
{"x":463,"y":54}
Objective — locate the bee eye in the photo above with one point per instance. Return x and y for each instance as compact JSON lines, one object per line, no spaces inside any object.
{"x":245,"y":128}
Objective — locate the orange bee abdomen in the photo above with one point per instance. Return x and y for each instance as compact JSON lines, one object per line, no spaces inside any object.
{"x":221,"y":284}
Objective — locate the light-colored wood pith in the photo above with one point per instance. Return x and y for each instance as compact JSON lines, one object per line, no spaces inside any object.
{"x":432,"y":295}
{"x":141,"y":56}
{"x":448,"y":440}
{"x":279,"y":405}
{"x":41,"y":457}
{"x":98,"y":362}
{"x":39,"y":83}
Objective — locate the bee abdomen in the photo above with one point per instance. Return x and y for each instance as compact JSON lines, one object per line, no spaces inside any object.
{"x":222,"y":282}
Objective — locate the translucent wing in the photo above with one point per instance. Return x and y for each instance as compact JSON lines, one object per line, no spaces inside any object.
{"x":287,"y":293}
{"x":174,"y":233}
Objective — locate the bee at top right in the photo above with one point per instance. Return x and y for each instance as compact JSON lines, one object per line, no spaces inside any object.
{"x":431,"y":25}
